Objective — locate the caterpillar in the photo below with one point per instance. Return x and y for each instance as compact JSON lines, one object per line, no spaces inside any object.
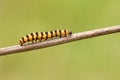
{"x":44,"y":36}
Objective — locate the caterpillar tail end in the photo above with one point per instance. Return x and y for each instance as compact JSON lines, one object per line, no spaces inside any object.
{"x":20,"y":42}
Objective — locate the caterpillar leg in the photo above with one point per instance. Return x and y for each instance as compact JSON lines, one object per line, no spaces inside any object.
{"x":33,"y":42}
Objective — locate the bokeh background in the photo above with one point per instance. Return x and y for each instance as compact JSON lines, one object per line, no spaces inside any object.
{"x":90,"y":59}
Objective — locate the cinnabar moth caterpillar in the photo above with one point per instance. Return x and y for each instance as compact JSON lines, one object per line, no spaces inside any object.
{"x":44,"y":35}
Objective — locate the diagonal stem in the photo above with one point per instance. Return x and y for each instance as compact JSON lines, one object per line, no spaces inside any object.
{"x":74,"y":37}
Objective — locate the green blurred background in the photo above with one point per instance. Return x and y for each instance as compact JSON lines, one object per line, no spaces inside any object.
{"x":90,"y":59}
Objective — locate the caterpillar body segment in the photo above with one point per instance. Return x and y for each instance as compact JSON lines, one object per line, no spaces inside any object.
{"x":32,"y":37}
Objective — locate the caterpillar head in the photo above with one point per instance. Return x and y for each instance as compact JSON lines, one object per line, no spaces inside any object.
{"x":70,"y":32}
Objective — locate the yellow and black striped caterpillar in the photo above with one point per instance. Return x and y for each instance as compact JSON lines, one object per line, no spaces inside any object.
{"x":44,"y":36}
